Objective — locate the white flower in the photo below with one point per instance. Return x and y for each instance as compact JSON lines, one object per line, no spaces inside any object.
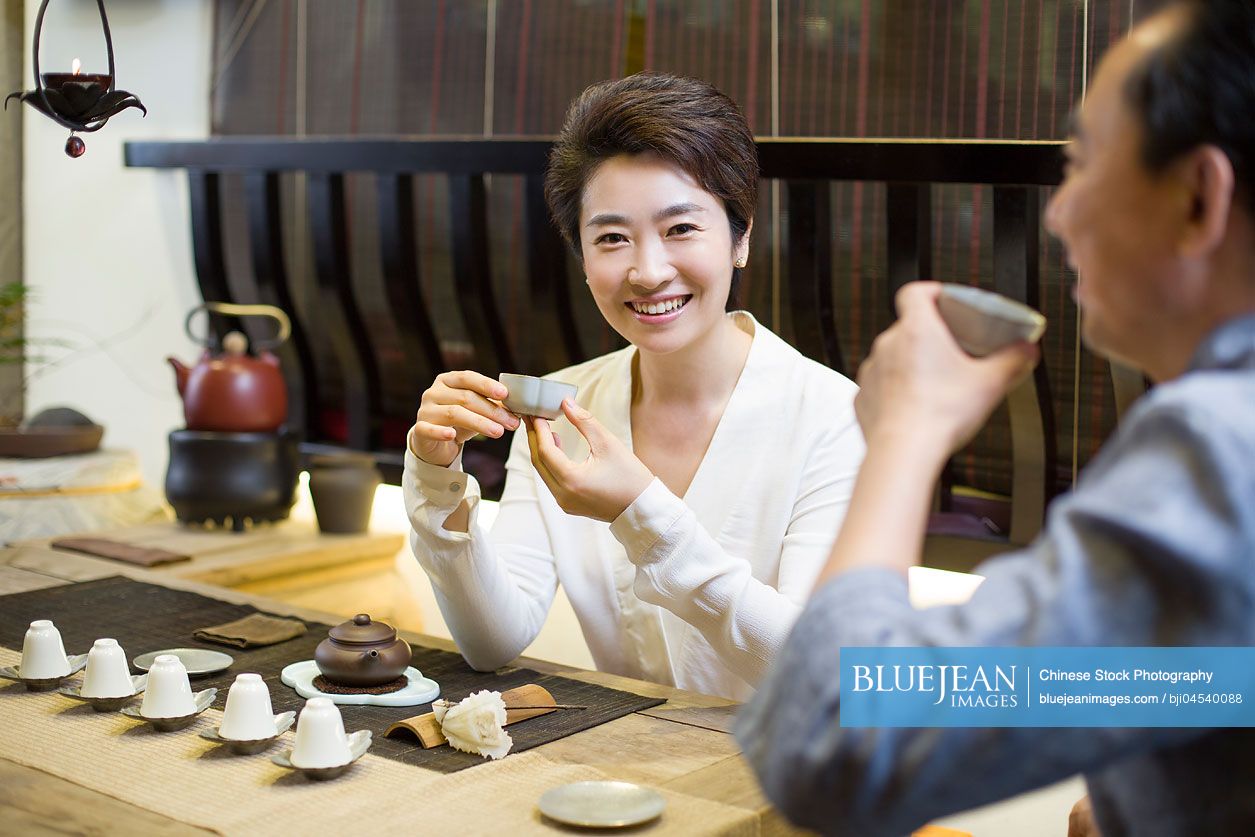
{"x":476,"y":724}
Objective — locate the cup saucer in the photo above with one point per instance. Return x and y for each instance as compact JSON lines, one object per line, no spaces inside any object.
{"x":43,"y":684}
{"x":139,"y":682}
{"x":359,"y":743}
{"x":202,"y":700}
{"x":283,"y":722}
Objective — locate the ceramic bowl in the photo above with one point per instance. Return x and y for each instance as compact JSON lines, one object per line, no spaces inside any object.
{"x":983,"y":322}
{"x":283,"y":722}
{"x":201,"y":700}
{"x":43,"y":684}
{"x":139,"y":682}
{"x":531,"y":396}
{"x":359,"y":743}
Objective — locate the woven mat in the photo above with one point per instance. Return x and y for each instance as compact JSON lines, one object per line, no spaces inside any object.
{"x":187,"y":778}
{"x":146,"y":617}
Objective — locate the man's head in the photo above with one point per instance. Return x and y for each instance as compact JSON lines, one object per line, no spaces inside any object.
{"x":1156,"y":208}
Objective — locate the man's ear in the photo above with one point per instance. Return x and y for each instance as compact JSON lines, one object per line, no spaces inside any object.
{"x":1207,"y":173}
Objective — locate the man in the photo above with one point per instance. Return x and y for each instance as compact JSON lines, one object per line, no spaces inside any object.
{"x":1156,"y":546}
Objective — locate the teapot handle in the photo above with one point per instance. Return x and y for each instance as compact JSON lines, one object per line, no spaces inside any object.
{"x":235,"y":310}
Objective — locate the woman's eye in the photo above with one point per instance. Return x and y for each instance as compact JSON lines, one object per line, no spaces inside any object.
{"x":682,"y":229}
{"x":611,"y":238}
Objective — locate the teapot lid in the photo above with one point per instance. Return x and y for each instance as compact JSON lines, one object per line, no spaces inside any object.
{"x":361,"y":630}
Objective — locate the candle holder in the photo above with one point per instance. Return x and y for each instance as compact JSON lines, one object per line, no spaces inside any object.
{"x":82,"y":102}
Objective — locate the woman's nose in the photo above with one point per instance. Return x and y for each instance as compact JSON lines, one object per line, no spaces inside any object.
{"x":651,"y":267}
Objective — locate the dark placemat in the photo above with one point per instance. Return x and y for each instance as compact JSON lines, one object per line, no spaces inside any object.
{"x":146,"y":617}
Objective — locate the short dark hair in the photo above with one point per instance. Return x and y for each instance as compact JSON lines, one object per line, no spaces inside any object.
{"x":683,"y":121}
{"x":1198,"y":88}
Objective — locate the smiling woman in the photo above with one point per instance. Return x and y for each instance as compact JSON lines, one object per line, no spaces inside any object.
{"x":688,"y":501}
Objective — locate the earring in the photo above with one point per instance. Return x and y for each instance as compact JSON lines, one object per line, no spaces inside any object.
{"x":740,"y":262}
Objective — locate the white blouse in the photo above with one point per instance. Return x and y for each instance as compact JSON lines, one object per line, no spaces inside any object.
{"x":697,"y":592}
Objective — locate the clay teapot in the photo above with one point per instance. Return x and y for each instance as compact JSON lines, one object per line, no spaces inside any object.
{"x":360,"y":652}
{"x":231,"y":391}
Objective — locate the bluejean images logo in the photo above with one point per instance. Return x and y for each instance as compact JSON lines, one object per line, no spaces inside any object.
{"x":1048,"y":687}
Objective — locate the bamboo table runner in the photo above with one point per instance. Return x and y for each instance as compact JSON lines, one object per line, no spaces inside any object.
{"x":146,"y":617}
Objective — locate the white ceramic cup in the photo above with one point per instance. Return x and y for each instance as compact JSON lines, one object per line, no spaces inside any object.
{"x":320,"y":738}
{"x":43,"y":654}
{"x":108,"y":675}
{"x":169,"y":692}
{"x":531,"y":396}
{"x":248,"y":716}
{"x":983,"y":322}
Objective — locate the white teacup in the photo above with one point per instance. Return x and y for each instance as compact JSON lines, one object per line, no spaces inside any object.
{"x":248,"y":715}
{"x":983,"y":322}
{"x":43,"y":654}
{"x":531,"y":396}
{"x":320,"y":738}
{"x":169,"y":692}
{"x":108,"y":675}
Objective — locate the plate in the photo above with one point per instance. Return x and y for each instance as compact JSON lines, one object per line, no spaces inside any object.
{"x":602,"y":804}
{"x":419,"y":689}
{"x":197,"y":661}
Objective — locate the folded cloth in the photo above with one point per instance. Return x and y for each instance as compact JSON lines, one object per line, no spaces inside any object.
{"x":145,"y":556}
{"x":252,"y":631}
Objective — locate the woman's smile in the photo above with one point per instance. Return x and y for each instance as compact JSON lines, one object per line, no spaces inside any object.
{"x":660,"y":309}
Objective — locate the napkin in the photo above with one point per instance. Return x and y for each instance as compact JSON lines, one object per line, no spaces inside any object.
{"x":252,"y":631}
{"x":144,"y":556}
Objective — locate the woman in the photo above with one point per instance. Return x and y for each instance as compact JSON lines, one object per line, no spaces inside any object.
{"x":688,"y":501}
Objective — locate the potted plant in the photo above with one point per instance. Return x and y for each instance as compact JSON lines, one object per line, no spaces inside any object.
{"x":53,"y":432}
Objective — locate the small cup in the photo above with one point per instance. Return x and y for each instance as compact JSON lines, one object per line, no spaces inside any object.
{"x":983,"y":322}
{"x":531,"y":396}
{"x":169,"y":692}
{"x":320,"y":738}
{"x":108,"y":675}
{"x":248,"y":715}
{"x":43,"y":654}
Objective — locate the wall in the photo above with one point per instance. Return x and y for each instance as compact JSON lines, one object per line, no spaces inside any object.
{"x":108,"y":249}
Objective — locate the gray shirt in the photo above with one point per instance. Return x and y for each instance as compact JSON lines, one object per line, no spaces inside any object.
{"x":1155,"y":547}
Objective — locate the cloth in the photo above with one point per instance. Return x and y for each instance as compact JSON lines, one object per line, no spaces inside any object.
{"x":697,"y":592}
{"x":1156,"y":547}
{"x":144,"y":556}
{"x":253,"y":631}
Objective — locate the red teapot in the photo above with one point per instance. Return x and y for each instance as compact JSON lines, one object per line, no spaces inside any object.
{"x":231,"y":391}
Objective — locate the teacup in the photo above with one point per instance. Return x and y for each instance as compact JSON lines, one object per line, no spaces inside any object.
{"x":43,"y":653}
{"x":320,"y":738}
{"x":108,"y":675}
{"x":248,"y":715}
{"x":169,"y":692}
{"x":531,"y":396}
{"x":983,"y":322}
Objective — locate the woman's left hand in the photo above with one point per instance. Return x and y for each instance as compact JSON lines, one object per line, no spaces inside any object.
{"x":601,"y":486}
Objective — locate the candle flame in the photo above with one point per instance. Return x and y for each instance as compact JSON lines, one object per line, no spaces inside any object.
{"x":76,"y":66}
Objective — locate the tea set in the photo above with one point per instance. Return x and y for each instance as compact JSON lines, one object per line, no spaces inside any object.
{"x":359,"y":654}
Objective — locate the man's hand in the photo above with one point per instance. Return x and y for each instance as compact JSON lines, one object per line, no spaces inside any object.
{"x":600,"y":487}
{"x":917,"y":382}
{"x":1081,"y":821}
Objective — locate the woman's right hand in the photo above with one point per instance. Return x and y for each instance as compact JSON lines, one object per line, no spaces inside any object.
{"x":457,"y":406}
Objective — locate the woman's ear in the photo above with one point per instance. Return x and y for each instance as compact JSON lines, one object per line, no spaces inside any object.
{"x":741,"y":252}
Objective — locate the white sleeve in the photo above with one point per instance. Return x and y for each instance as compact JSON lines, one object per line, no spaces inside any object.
{"x":681,"y":567}
{"x":494,"y":590}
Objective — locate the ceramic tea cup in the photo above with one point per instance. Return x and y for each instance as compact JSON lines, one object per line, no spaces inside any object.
{"x":320,"y":738}
{"x":248,"y":715}
{"x":43,"y":654}
{"x":983,"y":322}
{"x":531,"y":396}
{"x":169,"y":692}
{"x":108,"y":675}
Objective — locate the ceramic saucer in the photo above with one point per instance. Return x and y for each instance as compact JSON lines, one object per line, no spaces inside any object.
{"x":283,"y":721}
{"x":43,"y":684}
{"x":139,"y":682}
{"x":359,"y":743}
{"x":197,"y":661}
{"x":201,"y":699}
{"x":419,"y":689}
{"x":602,"y":804}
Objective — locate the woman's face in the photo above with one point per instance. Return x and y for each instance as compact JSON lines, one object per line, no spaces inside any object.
{"x":658,"y":252}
